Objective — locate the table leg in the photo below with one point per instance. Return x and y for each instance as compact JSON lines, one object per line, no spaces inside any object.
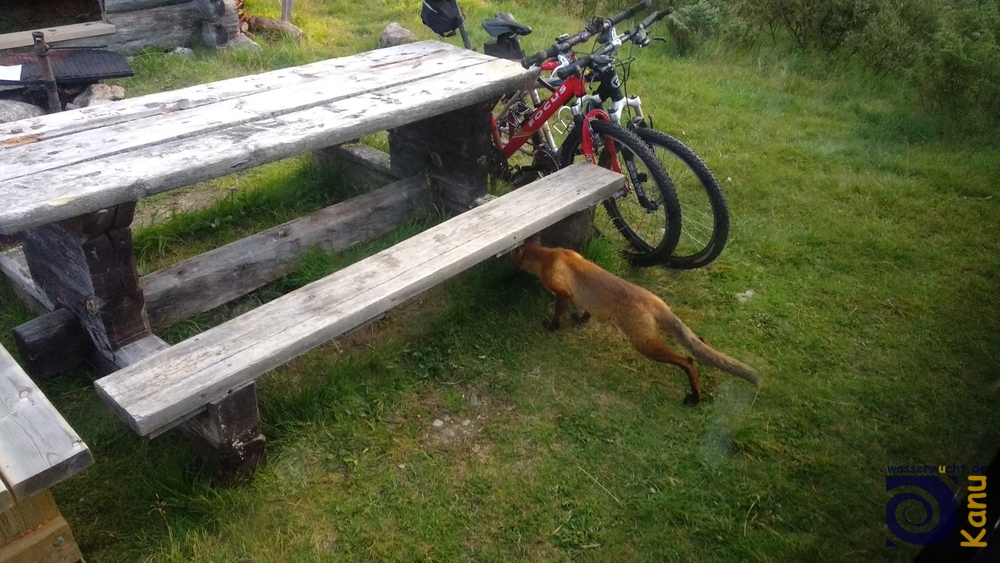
{"x":452,"y":149}
{"x":86,"y":264}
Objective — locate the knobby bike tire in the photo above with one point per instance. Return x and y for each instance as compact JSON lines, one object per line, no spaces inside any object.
{"x":651,"y":235}
{"x":705,"y":214}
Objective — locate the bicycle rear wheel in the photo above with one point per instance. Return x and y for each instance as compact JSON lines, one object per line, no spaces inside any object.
{"x":646,"y":214}
{"x":705,"y":223}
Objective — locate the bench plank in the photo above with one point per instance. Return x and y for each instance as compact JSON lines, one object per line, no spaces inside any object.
{"x":129,"y":176}
{"x":170,"y":385}
{"x":69,"y":122}
{"x":220,"y":275}
{"x":30,"y":158}
{"x":37,"y":447}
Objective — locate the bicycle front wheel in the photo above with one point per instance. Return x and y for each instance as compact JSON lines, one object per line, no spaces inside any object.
{"x":705,"y":226}
{"x":646,"y":213}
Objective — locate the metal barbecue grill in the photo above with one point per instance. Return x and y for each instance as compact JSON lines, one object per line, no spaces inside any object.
{"x":68,"y":65}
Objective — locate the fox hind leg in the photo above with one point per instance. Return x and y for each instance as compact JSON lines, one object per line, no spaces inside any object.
{"x":658,"y":351}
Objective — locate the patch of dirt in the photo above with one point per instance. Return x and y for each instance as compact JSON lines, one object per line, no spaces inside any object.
{"x":459,"y":432}
{"x":159,"y":209}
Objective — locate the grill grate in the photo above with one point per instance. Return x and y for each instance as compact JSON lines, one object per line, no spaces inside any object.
{"x":68,"y":66}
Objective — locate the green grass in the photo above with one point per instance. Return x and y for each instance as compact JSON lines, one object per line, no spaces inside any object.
{"x":865,"y":228}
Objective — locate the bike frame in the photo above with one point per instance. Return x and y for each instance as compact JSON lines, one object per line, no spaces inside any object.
{"x":572,"y":87}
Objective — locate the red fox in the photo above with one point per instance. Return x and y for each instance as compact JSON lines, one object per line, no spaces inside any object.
{"x":634,"y":310}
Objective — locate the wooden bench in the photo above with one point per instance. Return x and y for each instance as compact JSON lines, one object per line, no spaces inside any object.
{"x":38,"y":449}
{"x":170,"y":386}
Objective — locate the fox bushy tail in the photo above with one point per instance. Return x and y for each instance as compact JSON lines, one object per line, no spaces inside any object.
{"x":705,"y":353}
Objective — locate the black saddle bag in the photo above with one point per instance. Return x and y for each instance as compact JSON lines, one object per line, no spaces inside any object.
{"x":442,"y":16}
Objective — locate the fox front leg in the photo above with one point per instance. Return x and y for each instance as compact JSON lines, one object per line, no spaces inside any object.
{"x":580,"y":318}
{"x":562,"y":304}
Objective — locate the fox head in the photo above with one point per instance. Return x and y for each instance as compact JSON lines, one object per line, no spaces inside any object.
{"x":524,"y":255}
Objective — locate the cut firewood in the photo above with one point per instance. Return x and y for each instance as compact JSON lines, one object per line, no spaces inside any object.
{"x":271,"y":25}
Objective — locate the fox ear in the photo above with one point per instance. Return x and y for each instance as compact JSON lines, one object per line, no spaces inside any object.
{"x":533,"y":239}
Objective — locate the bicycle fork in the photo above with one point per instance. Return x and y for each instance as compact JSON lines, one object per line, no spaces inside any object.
{"x":591,"y":143}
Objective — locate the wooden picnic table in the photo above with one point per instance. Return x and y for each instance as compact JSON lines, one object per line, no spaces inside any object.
{"x":69,"y":182}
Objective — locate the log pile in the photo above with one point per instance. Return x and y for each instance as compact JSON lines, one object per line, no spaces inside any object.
{"x":166,"y":24}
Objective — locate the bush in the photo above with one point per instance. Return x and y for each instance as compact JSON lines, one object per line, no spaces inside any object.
{"x":947,"y":50}
{"x":959,"y":65}
{"x":825,"y":24}
{"x":692,"y":24}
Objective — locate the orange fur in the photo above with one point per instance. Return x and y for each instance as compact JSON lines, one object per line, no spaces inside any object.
{"x":638,"y":313}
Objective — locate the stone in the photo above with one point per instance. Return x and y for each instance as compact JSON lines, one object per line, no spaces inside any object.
{"x":183,"y":52}
{"x":99,"y":94}
{"x":243,"y":43}
{"x":438,"y":423}
{"x":394,"y":34}
{"x":11,"y":110}
{"x":214,"y":35}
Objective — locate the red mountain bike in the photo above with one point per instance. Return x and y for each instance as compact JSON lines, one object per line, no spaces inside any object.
{"x":646,"y":211}
{"x":705,"y":225}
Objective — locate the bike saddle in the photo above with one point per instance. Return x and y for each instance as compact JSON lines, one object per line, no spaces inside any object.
{"x":504,"y":24}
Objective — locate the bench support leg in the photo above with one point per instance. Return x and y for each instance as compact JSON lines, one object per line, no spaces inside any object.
{"x":86,"y":264}
{"x":228,"y":436}
{"x":34,"y":530}
{"x":452,"y":149}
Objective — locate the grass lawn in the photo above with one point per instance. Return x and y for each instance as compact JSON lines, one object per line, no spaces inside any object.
{"x":866,"y":229}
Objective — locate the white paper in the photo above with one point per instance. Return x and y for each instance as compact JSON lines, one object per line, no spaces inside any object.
{"x":11,"y":73}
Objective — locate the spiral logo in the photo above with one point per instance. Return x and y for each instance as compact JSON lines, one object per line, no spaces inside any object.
{"x":916,"y":500}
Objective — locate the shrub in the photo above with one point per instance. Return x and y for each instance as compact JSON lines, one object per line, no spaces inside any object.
{"x":825,"y":24}
{"x":957,"y":67}
{"x":693,"y":23}
{"x":947,"y":50}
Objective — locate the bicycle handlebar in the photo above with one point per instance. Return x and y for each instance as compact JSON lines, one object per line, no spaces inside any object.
{"x":597,"y":26}
{"x":628,"y":13}
{"x":655,"y":17}
{"x":575,"y":66}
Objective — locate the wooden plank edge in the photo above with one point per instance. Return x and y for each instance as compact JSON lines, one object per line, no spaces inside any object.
{"x":57,"y":473}
{"x":57,"y":34}
{"x":77,"y":461}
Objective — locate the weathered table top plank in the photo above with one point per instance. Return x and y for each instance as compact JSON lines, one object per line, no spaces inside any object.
{"x":37,"y":447}
{"x":69,"y":174}
{"x":66,"y":150}
{"x":93,"y":117}
{"x":173,"y":383}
